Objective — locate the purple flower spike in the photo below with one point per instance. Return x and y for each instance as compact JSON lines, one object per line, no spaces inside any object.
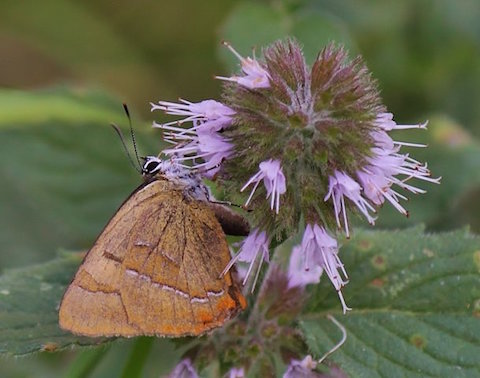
{"x":255,"y":75}
{"x":320,"y":249}
{"x":207,"y":114}
{"x":254,"y":245}
{"x":386,"y":163}
{"x":340,"y":186}
{"x":202,"y":140}
{"x":273,"y":179}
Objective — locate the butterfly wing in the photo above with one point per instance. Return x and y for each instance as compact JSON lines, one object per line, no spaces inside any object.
{"x":156,"y":269}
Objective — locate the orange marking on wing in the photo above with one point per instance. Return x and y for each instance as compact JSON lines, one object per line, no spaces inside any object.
{"x":205,"y":316}
{"x":225,"y":303}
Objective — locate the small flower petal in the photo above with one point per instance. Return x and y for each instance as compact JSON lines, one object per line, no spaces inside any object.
{"x":298,"y":274}
{"x":255,"y":75}
{"x":209,"y":112}
{"x":341,"y":185}
{"x":254,"y":247}
{"x":273,"y":179}
{"x":385,"y":121}
{"x":320,"y":249}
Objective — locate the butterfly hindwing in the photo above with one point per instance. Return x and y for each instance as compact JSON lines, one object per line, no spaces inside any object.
{"x":156,"y":269}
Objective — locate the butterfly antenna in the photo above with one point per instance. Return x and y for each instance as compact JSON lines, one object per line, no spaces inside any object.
{"x":132,"y":134}
{"x":122,"y":139}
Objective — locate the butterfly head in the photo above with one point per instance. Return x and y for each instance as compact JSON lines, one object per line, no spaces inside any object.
{"x":168,"y":168}
{"x":151,"y":165}
{"x":154,"y":167}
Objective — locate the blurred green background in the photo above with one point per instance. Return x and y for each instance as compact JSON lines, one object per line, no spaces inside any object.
{"x":66,"y":66}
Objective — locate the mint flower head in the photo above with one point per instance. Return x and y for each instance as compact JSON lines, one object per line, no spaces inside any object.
{"x":298,"y":144}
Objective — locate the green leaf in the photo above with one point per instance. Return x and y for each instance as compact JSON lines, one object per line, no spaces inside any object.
{"x":64,"y":173}
{"x":29,"y":300}
{"x":416,"y":306}
{"x":20,"y":108}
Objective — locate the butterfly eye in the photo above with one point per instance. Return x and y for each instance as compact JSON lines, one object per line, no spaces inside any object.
{"x":151,"y":167}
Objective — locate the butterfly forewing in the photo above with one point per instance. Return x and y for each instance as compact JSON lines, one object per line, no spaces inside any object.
{"x":156,"y":269}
